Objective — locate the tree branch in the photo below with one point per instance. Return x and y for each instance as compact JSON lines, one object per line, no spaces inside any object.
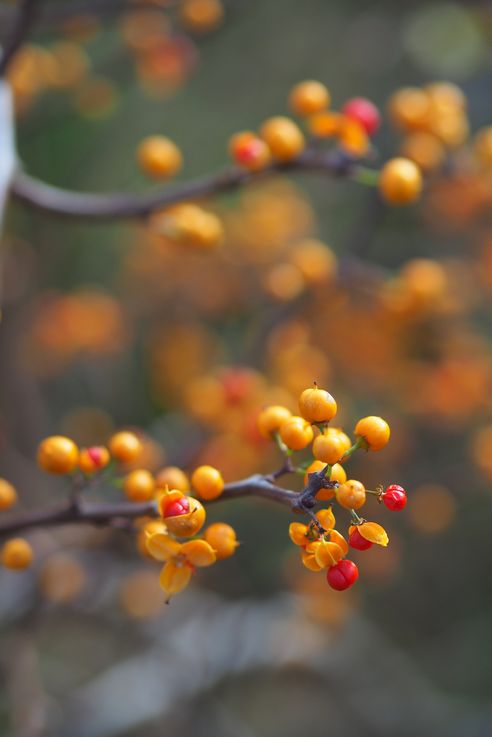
{"x":62,"y":202}
{"x":79,"y":511}
{"x":24,"y":19}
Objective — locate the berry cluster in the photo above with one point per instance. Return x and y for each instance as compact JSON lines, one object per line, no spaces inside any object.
{"x":167,"y":508}
{"x":321,"y":545}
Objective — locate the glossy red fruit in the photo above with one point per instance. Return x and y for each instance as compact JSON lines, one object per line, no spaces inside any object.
{"x":364,"y":112}
{"x":395,"y":498}
{"x":358,"y":542}
{"x":343,"y":575}
{"x":177,"y":507}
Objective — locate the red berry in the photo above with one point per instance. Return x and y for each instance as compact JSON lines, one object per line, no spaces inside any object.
{"x":177,"y":507}
{"x":358,"y":542}
{"x":395,"y":498}
{"x":343,"y":575}
{"x":95,"y":454}
{"x":364,"y":112}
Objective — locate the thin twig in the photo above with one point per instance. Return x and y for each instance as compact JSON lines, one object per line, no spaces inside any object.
{"x":121,"y":205}
{"x":79,"y":511}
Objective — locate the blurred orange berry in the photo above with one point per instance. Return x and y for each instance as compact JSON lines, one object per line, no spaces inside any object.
{"x":172,"y":477}
{"x":201,"y":16}
{"x":159,"y":157}
{"x":309,"y":97}
{"x":283,"y":137}
{"x":125,"y":447}
{"x":8,"y":495}
{"x":271,"y":418}
{"x":16,"y":554}
{"x":139,"y":486}
{"x":400,"y":181}
{"x":58,"y":454}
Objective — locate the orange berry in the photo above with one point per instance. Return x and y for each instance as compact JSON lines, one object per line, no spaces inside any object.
{"x":125,"y":447}
{"x":283,"y":137}
{"x":400,"y":181}
{"x":374,"y":430}
{"x":159,"y":157}
{"x":338,"y":473}
{"x":309,"y":97}
{"x":271,"y":418}
{"x":249,"y":151}
{"x":58,"y":454}
{"x":207,"y":482}
{"x":352,"y":137}
{"x":8,"y":495}
{"x":315,"y":260}
{"x":351,"y":495}
{"x":329,"y":446}
{"x":317,"y":405}
{"x":222,"y":539}
{"x":409,"y":108}
{"x":325,"y":125}
{"x":201,"y":16}
{"x":172,"y":477}
{"x":425,"y":149}
{"x":296,"y":433}
{"x":93,"y":459}
{"x":16,"y":554}
{"x":139,"y":486}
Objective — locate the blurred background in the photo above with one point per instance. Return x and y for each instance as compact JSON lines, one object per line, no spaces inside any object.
{"x":106,"y":325}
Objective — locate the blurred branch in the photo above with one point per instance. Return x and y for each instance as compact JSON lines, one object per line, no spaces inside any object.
{"x":23,"y":20}
{"x":78,"y":511}
{"x":58,"y":201}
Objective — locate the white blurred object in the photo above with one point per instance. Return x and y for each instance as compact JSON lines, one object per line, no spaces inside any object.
{"x":7,"y":144}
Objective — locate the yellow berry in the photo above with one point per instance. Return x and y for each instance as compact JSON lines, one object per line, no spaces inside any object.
{"x":375,"y":431}
{"x":296,"y":433}
{"x":400,"y":181}
{"x":207,"y":482}
{"x":159,"y":157}
{"x":222,"y":538}
{"x":8,"y":495}
{"x":271,"y":418}
{"x":125,"y":447}
{"x":283,"y":137}
{"x":172,"y":477}
{"x":16,"y":554}
{"x":351,"y":494}
{"x":317,"y":405}
{"x":309,"y":97}
{"x":139,"y":486}
{"x":58,"y":454}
